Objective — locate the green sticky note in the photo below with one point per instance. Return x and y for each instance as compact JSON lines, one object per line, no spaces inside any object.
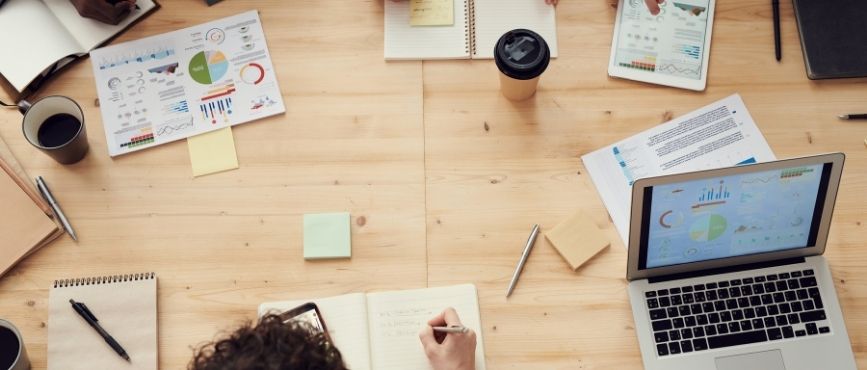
{"x":327,"y":235}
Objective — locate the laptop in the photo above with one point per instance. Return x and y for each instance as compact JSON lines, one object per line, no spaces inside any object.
{"x":726,"y":271}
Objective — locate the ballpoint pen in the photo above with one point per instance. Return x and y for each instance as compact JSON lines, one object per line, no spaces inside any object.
{"x":453,"y":329}
{"x":43,"y":188}
{"x":852,"y":116}
{"x":778,"y":48}
{"x":530,"y":242}
{"x":91,"y":319}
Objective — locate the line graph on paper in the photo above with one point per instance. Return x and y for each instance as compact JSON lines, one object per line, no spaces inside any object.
{"x":673,"y":69}
{"x":174,"y":127}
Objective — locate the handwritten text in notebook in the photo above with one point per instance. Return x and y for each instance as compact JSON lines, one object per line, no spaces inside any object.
{"x":432,"y":13}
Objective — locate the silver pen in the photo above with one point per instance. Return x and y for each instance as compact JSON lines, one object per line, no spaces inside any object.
{"x":454,"y":329}
{"x":43,"y":188}
{"x":530,"y":242}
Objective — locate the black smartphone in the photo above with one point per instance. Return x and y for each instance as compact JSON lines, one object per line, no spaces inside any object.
{"x":309,"y":314}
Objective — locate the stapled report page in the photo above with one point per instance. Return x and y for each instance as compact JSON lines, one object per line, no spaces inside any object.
{"x":395,"y":319}
{"x":721,"y":134}
{"x":406,"y":42}
{"x":493,"y":18}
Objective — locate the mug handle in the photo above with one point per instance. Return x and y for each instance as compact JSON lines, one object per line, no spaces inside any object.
{"x":24,"y":106}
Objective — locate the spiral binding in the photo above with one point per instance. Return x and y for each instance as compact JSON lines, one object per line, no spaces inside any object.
{"x":472,"y":21}
{"x":467,"y":25}
{"x":97,"y":280}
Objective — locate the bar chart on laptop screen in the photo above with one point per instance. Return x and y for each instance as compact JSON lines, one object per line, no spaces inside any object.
{"x":733,"y":215}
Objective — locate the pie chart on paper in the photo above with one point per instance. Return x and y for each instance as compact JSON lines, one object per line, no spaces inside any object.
{"x":207,"y":67}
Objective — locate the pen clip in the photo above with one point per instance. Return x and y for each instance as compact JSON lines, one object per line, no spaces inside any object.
{"x":86,"y":311}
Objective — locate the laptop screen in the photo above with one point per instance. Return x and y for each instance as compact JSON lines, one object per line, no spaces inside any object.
{"x":732,"y":216}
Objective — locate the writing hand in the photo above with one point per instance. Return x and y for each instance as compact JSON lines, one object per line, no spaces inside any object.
{"x":448,"y":351}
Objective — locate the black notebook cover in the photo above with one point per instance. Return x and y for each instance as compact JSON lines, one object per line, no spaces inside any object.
{"x":833,"y":37}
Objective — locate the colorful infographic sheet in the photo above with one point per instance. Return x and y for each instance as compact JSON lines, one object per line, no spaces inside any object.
{"x":670,"y":43}
{"x":732,"y":216}
{"x":183,"y":83}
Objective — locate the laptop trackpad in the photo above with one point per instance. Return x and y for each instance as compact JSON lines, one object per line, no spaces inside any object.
{"x":768,"y":360}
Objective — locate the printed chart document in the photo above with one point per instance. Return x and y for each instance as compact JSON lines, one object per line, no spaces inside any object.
{"x":183,"y":83}
{"x":380,"y":330}
{"x":721,"y":134}
{"x":671,"y":48}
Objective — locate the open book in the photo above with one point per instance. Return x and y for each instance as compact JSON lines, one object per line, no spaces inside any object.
{"x":380,"y":330}
{"x":37,"y":34}
{"x":478,"y":24}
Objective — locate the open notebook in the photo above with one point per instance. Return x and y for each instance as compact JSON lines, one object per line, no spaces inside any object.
{"x":126,"y":307}
{"x":380,"y":330}
{"x":478,"y":24}
{"x":39,"y":33}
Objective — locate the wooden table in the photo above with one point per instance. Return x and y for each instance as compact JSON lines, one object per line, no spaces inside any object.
{"x":442,"y":175}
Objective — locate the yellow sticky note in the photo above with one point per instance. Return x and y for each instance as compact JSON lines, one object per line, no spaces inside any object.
{"x":213,"y":152}
{"x":432,"y":12}
{"x":577,"y":239}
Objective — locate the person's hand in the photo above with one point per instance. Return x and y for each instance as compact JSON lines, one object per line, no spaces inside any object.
{"x":448,"y":351}
{"x":653,"y":5}
{"x":106,"y":11}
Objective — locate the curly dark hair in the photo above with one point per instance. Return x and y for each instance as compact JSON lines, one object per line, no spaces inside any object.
{"x":270,"y":345}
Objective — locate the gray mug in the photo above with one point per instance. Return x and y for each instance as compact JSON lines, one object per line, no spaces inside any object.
{"x":12,"y":353}
{"x":55,"y":125}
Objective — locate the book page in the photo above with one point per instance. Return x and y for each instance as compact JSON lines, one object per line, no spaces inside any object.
{"x":396,"y":318}
{"x":496,"y":17}
{"x":33,"y":40}
{"x":345,"y":317}
{"x":91,"y":33}
{"x":407,"y":42}
{"x":721,"y":134}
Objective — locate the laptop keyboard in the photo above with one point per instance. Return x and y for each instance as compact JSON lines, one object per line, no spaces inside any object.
{"x":733,"y":312}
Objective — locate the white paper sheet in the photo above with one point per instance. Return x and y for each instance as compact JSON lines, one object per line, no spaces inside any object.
{"x":721,"y":134}
{"x":187,"y":82}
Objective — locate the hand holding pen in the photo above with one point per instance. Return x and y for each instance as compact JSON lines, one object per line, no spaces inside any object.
{"x":447,"y":343}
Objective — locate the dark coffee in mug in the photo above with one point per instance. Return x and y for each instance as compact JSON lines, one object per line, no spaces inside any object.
{"x":9,"y":348}
{"x":58,"y":129}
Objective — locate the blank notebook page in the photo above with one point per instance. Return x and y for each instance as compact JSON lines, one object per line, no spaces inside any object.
{"x":126,"y":307}
{"x":496,"y":17}
{"x":397,"y":317}
{"x":403,"y":41}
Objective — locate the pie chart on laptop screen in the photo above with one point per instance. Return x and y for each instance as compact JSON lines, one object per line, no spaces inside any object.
{"x":208,"y":67}
{"x":707,"y":228}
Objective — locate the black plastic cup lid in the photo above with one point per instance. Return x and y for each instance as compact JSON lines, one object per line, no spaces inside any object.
{"x":522,"y":54}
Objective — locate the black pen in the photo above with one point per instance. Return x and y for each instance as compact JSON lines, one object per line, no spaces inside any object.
{"x":778,"y":48}
{"x":852,"y":116}
{"x":91,"y":319}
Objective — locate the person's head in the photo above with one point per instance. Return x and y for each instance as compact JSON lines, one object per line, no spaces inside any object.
{"x":269,"y":345}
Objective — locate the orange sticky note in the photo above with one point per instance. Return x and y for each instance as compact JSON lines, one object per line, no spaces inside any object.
{"x":577,"y":239}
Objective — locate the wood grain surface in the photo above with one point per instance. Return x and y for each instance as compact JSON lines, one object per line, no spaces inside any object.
{"x":442,"y":175}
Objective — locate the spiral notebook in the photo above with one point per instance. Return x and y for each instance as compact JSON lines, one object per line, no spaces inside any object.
{"x":126,"y":307}
{"x":478,"y":24}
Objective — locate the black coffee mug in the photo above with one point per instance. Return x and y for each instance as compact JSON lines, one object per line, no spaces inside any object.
{"x":12,"y":353}
{"x":55,"y":125}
